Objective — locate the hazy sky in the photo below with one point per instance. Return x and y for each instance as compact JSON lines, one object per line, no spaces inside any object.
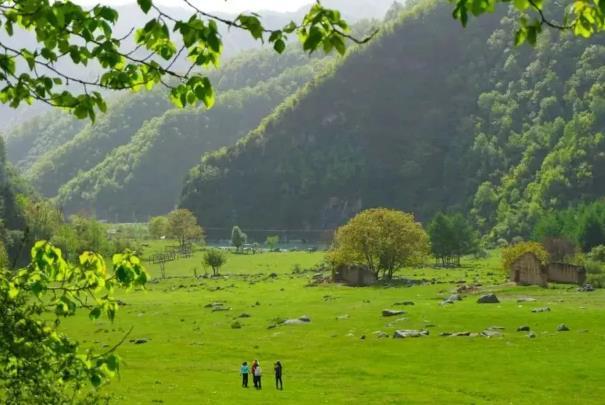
{"x":232,"y":6}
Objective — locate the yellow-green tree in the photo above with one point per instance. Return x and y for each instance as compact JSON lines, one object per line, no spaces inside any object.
{"x":183,"y":226}
{"x":513,"y":252}
{"x":383,"y":239}
{"x":158,"y":227}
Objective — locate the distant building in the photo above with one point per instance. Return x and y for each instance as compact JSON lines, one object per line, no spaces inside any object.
{"x":527,"y":270}
{"x":354,"y":275}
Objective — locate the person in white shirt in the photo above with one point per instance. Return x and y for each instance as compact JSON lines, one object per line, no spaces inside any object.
{"x":257,"y":375}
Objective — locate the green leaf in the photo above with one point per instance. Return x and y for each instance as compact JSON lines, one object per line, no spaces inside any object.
{"x":95,"y":313}
{"x":145,"y":5}
{"x":279,"y":46}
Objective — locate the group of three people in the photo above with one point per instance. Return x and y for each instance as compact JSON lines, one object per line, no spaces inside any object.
{"x":257,"y":373}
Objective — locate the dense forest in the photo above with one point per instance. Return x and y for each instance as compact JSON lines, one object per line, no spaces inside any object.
{"x":299,"y":142}
{"x":401,"y":124}
{"x":131,"y":163}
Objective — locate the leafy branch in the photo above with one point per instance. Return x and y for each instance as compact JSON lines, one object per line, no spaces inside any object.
{"x":66,"y":30}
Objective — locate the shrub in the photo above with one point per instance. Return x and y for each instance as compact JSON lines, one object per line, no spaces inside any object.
{"x":215,"y":259}
{"x":593,"y":266}
{"x":596,"y":280}
{"x":502,"y":243}
{"x":513,"y":252}
{"x":598,"y":253}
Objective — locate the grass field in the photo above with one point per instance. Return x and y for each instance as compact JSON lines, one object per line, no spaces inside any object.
{"x":192,"y":354}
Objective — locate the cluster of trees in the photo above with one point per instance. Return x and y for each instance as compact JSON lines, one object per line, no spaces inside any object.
{"x":134,"y":146}
{"x":452,"y":236}
{"x":522,"y":139}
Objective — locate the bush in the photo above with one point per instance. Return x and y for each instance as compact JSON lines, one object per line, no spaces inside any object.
{"x":513,"y":252}
{"x":215,"y":259}
{"x":597,"y":253}
{"x":596,"y":280}
{"x":502,"y":243}
{"x":593,"y":266}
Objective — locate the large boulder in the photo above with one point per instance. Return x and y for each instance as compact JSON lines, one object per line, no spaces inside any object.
{"x":354,"y":275}
{"x":488,"y":299}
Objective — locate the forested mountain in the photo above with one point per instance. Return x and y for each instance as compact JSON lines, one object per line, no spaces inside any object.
{"x":131,"y":163}
{"x":144,"y":177}
{"x":428,"y":117}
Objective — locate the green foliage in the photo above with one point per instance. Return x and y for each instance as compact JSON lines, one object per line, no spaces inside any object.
{"x":597,"y":253}
{"x":582,"y":18}
{"x":183,"y":226}
{"x":513,"y":252}
{"x":215,"y":259}
{"x":584,"y":225}
{"x":382,"y":239}
{"x":272,"y":241}
{"x":85,"y":36}
{"x":238,"y":237}
{"x":132,"y":145}
{"x":39,"y":363}
{"x":452,"y":236}
{"x":158,"y":227}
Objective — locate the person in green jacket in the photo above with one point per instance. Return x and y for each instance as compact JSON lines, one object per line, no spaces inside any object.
{"x":244,"y":371}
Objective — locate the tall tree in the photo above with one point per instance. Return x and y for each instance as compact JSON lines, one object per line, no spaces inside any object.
{"x":238,"y":237}
{"x":183,"y":226}
{"x":382,"y":239}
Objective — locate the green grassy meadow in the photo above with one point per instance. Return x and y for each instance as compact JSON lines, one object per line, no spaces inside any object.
{"x":192,"y":355}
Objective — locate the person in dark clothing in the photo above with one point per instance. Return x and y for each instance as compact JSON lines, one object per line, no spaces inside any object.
{"x":278,"y":373}
{"x":244,"y":370}
{"x":254,"y":378}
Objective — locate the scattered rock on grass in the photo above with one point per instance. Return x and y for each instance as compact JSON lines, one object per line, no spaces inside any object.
{"x":525,"y":299}
{"x":531,"y":335}
{"x":244,"y":315}
{"x":407,"y":333}
{"x":404,"y":303}
{"x":139,"y":341}
{"x":542,"y":309}
{"x":562,"y":328}
{"x":380,"y":334}
{"x":298,"y":321}
{"x":392,"y":312}
{"x":488,"y":299}
{"x":586,"y":288}
{"x":452,"y":298}
{"x":524,"y":328}
{"x":236,"y":325}
{"x":342,"y":317}
{"x":490,"y":333}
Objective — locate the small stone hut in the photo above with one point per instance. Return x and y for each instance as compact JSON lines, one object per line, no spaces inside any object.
{"x":354,"y":275}
{"x":527,"y":270}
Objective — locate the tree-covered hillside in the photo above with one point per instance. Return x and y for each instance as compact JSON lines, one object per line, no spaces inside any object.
{"x":428,"y":117}
{"x":144,"y":176}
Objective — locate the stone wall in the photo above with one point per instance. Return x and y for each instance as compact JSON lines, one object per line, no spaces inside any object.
{"x":528,"y":270}
{"x":566,"y":273}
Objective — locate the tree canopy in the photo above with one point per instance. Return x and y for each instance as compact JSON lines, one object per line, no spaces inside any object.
{"x":38,"y":363}
{"x":68,"y":33}
{"x":382,"y":239}
{"x":183,"y":226}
